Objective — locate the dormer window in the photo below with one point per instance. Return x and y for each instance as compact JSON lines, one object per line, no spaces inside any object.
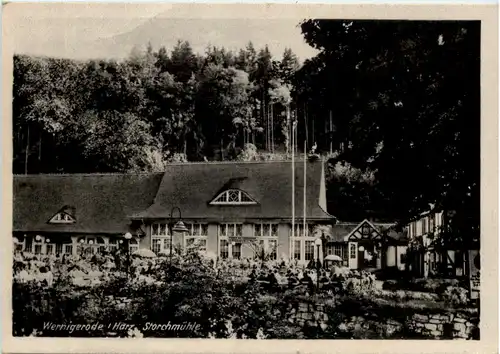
{"x":233,"y":197}
{"x":62,"y":218}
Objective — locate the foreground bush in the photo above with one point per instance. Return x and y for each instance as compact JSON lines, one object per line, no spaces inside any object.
{"x":220,"y":303}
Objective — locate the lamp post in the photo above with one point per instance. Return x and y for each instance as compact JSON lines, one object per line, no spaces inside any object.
{"x":178,"y":227}
{"x":323,"y":246}
{"x":47,"y":240}
{"x":318,"y":243}
{"x":128,"y":237}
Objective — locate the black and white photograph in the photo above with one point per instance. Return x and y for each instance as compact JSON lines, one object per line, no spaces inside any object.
{"x":246,"y":178}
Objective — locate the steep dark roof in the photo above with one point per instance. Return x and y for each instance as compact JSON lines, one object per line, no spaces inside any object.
{"x":342,"y":229}
{"x":191,"y":187}
{"x":101,"y":202}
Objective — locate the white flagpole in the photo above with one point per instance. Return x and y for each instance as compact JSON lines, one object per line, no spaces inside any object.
{"x":293,"y":180}
{"x":305,"y":166}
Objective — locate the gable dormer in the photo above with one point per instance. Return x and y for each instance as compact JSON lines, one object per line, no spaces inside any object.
{"x":233,"y":197}
{"x":64,"y":216}
{"x":364,"y":231}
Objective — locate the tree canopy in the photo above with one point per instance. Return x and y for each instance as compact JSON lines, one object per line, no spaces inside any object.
{"x":107,"y":115}
{"x":404,"y":97}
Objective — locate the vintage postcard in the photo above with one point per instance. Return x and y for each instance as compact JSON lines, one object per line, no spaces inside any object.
{"x":249,"y":178}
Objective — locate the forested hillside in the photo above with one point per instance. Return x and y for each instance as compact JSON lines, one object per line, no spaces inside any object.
{"x":396,"y":103}
{"x":103,"y":115}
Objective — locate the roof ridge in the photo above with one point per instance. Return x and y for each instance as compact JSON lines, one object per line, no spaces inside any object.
{"x":170,"y":164}
{"x":233,"y":162}
{"x":67,"y":174}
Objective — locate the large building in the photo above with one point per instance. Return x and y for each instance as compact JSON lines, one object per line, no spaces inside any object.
{"x":231,"y":210}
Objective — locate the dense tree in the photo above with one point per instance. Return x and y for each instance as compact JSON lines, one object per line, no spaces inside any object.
{"x":288,"y":66}
{"x":405,"y":95}
{"x":183,"y":62}
{"x":224,"y":93}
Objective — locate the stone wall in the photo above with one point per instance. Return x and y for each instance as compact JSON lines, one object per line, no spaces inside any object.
{"x":316,"y":313}
{"x":309,"y":313}
{"x":445,"y":325}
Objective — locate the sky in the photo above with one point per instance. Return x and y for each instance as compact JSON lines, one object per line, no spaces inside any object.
{"x":111,"y":31}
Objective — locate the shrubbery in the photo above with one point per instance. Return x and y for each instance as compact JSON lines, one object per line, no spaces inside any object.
{"x":224,"y":305}
{"x":437,"y":286}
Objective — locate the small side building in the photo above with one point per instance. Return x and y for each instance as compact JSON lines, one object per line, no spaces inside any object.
{"x":430,"y":255}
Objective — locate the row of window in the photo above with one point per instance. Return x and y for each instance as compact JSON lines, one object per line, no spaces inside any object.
{"x":305,"y":250}
{"x":41,"y":245}
{"x":161,"y":244}
{"x":197,"y":236}
{"x":234,"y":230}
{"x":267,"y":249}
{"x":227,"y":248}
{"x":194,"y":229}
{"x":424,"y":225}
{"x":60,"y":249}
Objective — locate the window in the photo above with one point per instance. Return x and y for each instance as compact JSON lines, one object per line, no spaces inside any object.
{"x":199,"y":243}
{"x":228,"y":248}
{"x":29,"y":245}
{"x":112,"y":244}
{"x":414,"y":228}
{"x":231,"y":230}
{"x":424,"y":226}
{"x":402,"y":258}
{"x":309,"y":250}
{"x":272,"y":248}
{"x":299,"y":230}
{"x":352,"y":251}
{"x":304,"y":242}
{"x":156,"y":245}
{"x":224,"y":249}
{"x":59,"y":248}
{"x":236,"y":250}
{"x":68,"y":249}
{"x":38,"y":244}
{"x":267,"y":234}
{"x":296,"y":250}
{"x":61,"y":218}
{"x":160,"y":238}
{"x":233,"y":197}
{"x":196,"y":237}
{"x":197,"y":229}
{"x":267,"y":247}
{"x":49,"y":249}
{"x":133,"y":245}
{"x":160,"y":230}
{"x":274,"y":230}
{"x":265,"y":230}
{"x":160,"y":244}
{"x":366,"y":231}
{"x":431,"y":223}
{"x":338,"y":250}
